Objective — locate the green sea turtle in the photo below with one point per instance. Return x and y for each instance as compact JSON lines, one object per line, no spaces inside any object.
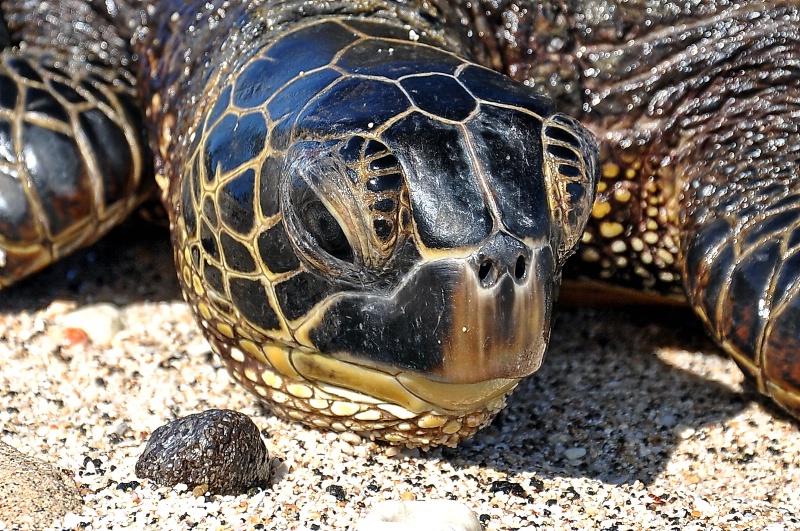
{"x":371,"y":202}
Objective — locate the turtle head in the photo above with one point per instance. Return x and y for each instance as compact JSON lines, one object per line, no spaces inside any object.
{"x":443,"y":230}
{"x":388,"y":258}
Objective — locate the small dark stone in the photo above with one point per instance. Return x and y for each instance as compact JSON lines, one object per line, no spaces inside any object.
{"x":125,"y":486}
{"x":219,"y":448}
{"x":337,"y":492}
{"x":507,"y":487}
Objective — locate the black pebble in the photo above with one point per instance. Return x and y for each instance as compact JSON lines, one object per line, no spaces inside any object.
{"x":337,"y":492}
{"x":125,"y":486}
{"x":219,"y":448}
{"x":507,"y":487}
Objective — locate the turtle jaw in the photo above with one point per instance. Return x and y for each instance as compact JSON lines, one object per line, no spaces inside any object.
{"x":501,"y":321}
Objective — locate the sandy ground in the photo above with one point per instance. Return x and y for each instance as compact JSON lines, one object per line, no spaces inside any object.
{"x":635,"y":421}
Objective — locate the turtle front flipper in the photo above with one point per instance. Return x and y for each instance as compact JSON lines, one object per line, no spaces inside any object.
{"x":741,"y":252}
{"x":71,"y":150}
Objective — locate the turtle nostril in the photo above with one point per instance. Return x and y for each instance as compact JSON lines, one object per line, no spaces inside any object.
{"x":484,"y":270}
{"x":520,"y":268}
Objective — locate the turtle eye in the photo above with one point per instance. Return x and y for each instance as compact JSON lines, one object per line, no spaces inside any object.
{"x":319,"y":222}
{"x":345,"y":206}
{"x":326,"y":231}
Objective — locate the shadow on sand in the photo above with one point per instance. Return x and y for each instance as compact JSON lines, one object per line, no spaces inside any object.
{"x":604,"y":392}
{"x":133,"y":263}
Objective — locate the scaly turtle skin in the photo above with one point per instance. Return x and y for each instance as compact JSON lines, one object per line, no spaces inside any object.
{"x":371,"y":227}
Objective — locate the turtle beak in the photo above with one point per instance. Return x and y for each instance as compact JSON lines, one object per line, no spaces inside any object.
{"x":501,"y":309}
{"x":452,"y":321}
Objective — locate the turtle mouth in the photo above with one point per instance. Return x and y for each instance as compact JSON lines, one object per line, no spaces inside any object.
{"x":410,"y":390}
